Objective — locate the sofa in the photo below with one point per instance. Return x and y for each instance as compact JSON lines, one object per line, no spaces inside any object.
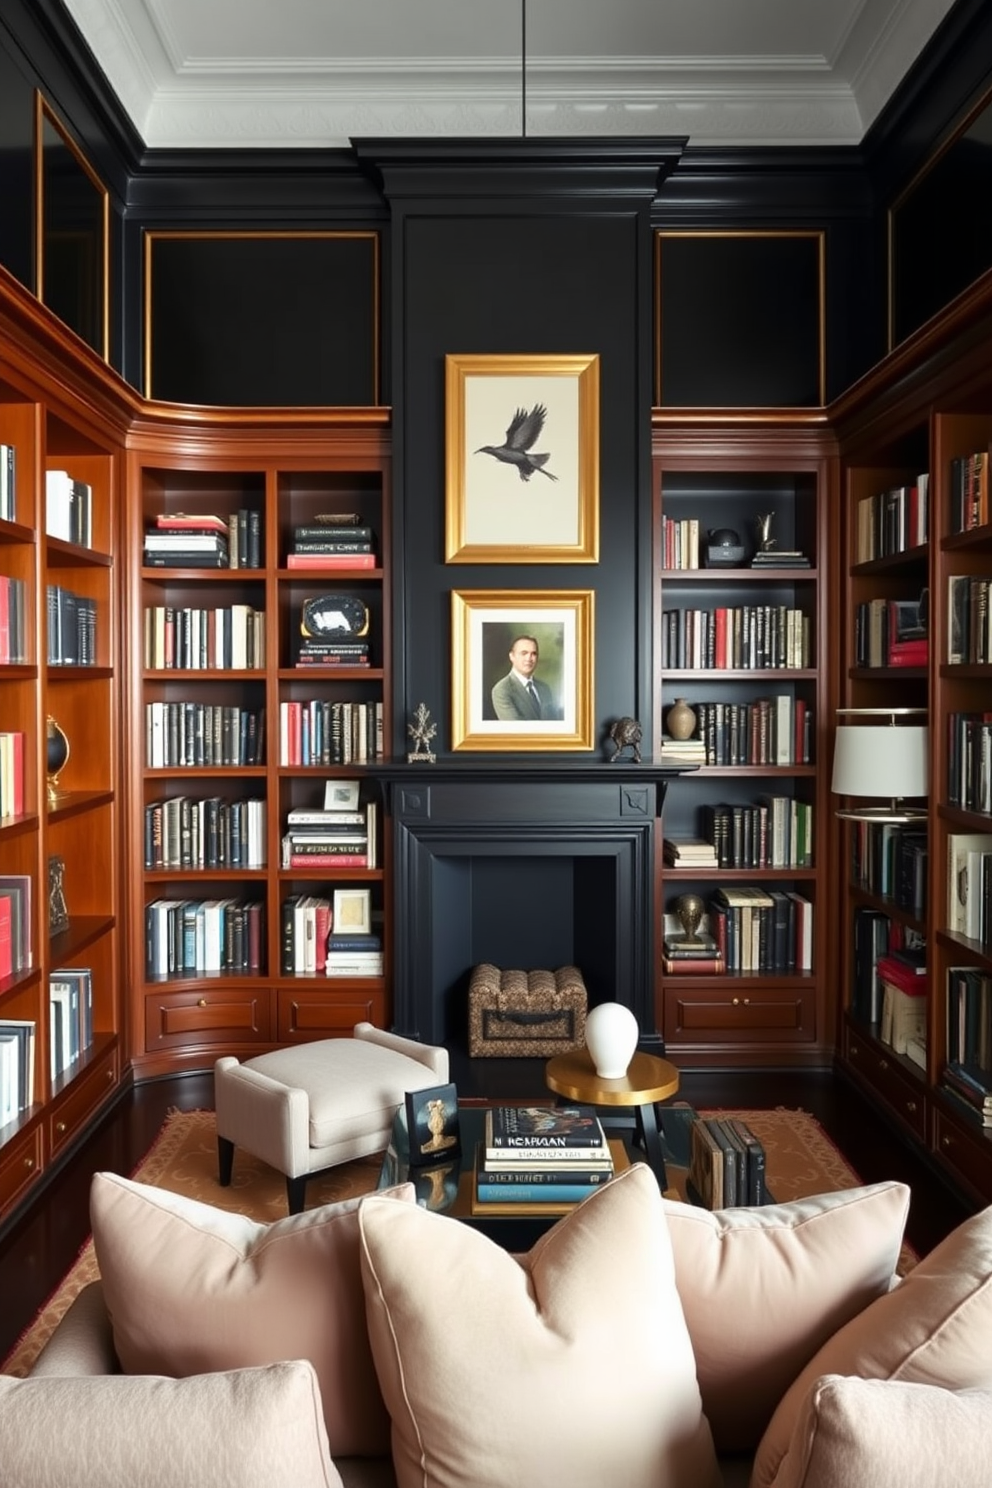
{"x":641,"y":1342}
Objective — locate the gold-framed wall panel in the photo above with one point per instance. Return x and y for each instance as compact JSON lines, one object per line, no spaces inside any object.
{"x":817,"y":234}
{"x":43,"y":112}
{"x":152,"y":236}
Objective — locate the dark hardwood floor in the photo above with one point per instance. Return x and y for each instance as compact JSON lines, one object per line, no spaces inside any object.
{"x":38,"y":1248}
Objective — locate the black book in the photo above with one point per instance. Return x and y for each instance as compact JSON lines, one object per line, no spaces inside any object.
{"x":757,"y":1191}
{"x":722,"y":1139}
{"x":728,"y":1129}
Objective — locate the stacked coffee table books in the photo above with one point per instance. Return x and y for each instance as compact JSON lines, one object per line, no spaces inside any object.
{"x":536,"y":1160}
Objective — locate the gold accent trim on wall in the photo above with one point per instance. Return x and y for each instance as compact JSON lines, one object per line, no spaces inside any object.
{"x":44,"y":115}
{"x":153,"y":236}
{"x":813,"y":233}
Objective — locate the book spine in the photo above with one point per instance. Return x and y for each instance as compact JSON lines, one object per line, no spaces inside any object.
{"x":530,"y":1193}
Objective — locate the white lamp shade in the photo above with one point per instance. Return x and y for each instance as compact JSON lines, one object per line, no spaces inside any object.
{"x":876,"y":760}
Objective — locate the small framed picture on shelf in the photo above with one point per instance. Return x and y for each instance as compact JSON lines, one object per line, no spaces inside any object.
{"x":58,"y":910}
{"x":352,"y":911}
{"x":432,"y":1125}
{"x":341,"y":795}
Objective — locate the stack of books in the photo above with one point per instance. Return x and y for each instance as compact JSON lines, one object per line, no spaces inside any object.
{"x":904,"y":1005}
{"x":682,"y":751}
{"x":697,"y":955}
{"x":539,"y":1159}
{"x":331,"y":839}
{"x":339,"y":542}
{"x":780,"y":558}
{"x":187,"y":540}
{"x":354,"y":955}
{"x":690,"y":852}
{"x":726,"y":1164}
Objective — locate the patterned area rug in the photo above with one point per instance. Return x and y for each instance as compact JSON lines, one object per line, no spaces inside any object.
{"x":801,"y":1160}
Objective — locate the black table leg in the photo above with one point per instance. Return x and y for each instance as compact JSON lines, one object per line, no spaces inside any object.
{"x":647,"y":1127}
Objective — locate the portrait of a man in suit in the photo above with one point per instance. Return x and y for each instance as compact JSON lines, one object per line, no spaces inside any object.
{"x":521,"y":696}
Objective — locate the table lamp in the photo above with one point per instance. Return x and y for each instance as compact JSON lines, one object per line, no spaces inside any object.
{"x":884,"y":760}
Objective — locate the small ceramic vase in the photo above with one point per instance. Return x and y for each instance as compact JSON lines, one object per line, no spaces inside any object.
{"x":611,"y":1038}
{"x":681,"y":720}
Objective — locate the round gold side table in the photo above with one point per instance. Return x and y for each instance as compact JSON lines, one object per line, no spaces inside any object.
{"x":648,"y":1079}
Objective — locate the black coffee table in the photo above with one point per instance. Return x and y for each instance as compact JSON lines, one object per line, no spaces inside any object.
{"x":446,"y":1188}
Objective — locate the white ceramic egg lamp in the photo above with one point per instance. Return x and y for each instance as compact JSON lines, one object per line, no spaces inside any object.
{"x":611,"y":1038}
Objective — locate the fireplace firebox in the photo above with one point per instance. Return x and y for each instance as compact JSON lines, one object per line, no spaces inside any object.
{"x":521,"y":865}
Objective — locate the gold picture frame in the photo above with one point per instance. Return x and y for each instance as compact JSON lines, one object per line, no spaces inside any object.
{"x":489,"y":709}
{"x":502,"y":475}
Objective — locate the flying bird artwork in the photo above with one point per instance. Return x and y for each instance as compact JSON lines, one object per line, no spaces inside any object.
{"x":523,"y":432}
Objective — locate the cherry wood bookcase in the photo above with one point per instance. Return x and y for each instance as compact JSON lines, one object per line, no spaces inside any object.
{"x":60,"y":410}
{"x":725,"y":473}
{"x":928,"y":406}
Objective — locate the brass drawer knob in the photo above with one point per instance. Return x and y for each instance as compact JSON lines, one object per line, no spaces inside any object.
{"x":61,"y":1128}
{"x":29,"y":1164}
{"x":202,"y":1002}
{"x":911,"y":1107}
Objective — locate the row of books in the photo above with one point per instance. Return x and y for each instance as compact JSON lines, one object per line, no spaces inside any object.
{"x":971,"y":1087}
{"x":331,"y":545}
{"x":877,"y":941}
{"x":187,"y":832}
{"x":751,"y":637}
{"x":185,"y":937}
{"x":772,"y":832}
{"x":311,"y":947}
{"x":16,"y":950}
{"x":969,"y":619}
{"x":68,"y":508}
{"x":13,"y":621}
{"x":71,"y":628}
{"x":332,"y":839}
{"x":536,"y":1157}
{"x":17,"y":1048}
{"x":903,"y":1020}
{"x":775,"y":730}
{"x":70,"y":998}
{"x":203,"y":734}
{"x":680,"y":542}
{"x":321,"y":732}
{"x":891,"y":632}
{"x":759,"y":930}
{"x":969,"y":761}
{"x":8,"y":483}
{"x":11,"y":774}
{"x":969,"y":1018}
{"x":230,"y":638}
{"x":969,"y":885}
{"x":891,"y":859}
{"x":893,"y":521}
{"x":205,"y":540}
{"x":969,"y":491}
{"x":727,"y":1164}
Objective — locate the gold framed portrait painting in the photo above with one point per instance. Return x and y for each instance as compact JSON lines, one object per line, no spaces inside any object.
{"x":522,"y":669}
{"x":522,"y":459}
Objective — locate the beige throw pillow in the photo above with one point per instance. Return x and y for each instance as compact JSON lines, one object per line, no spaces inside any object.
{"x":191,"y":1289}
{"x":250,"y":1428}
{"x":934,"y":1328}
{"x":568,"y":1365}
{"x":885,"y":1434}
{"x":762,"y":1289}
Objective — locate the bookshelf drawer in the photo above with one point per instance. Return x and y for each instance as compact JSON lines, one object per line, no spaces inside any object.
{"x":175,"y":1019}
{"x":743,"y":1014}
{"x":82,"y":1098}
{"x":967,"y":1152}
{"x":882,"y":1070}
{"x":20,"y":1164}
{"x":321,"y":1014}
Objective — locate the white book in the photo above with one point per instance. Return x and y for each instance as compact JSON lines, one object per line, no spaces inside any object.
{"x":10,"y":1077}
{"x":784,"y":728}
{"x":58,"y":504}
{"x":58,"y":993}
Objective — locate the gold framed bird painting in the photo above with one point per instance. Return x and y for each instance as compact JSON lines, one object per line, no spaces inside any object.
{"x":521,"y":459}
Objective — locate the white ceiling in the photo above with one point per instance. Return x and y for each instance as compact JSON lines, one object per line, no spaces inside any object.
{"x":317,"y":73}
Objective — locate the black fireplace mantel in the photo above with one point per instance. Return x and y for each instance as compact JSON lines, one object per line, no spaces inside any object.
{"x":503,"y":860}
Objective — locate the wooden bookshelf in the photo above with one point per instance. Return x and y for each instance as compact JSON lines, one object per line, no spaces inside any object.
{"x":287,"y":473}
{"x":892,"y":427}
{"x":726,"y":476}
{"x":60,"y":411}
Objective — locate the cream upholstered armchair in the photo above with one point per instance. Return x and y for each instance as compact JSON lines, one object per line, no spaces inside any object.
{"x":309,"y":1107}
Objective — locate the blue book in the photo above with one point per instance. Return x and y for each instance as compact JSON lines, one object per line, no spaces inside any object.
{"x":533,"y":1193}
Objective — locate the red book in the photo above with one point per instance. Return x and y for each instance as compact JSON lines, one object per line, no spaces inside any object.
{"x":330,"y":560}
{"x":323,"y":918}
{"x":328,"y":860}
{"x":720,"y":637}
{"x":190,"y":522}
{"x":900,"y":974}
{"x":693,"y":965}
{"x":6,"y":946}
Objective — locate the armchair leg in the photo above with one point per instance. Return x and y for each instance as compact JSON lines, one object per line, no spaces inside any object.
{"x":225,"y":1160}
{"x":296,"y":1194}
